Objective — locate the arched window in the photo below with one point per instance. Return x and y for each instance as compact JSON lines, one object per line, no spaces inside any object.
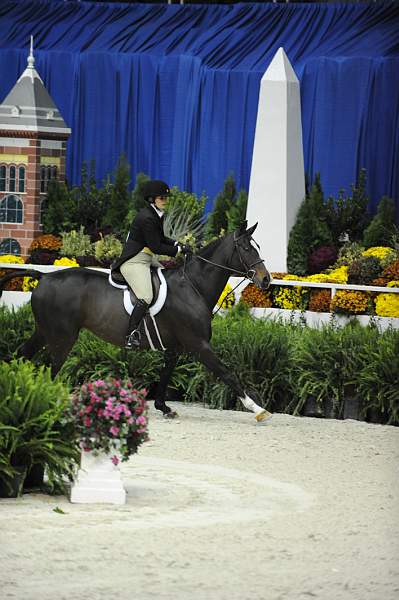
{"x":11,"y":210}
{"x":21,"y":179}
{"x":12,"y":179}
{"x":47,"y":173}
{"x":9,"y":246}
{"x":42,"y":179}
{"x":43,"y":207}
{"x":3,"y":175}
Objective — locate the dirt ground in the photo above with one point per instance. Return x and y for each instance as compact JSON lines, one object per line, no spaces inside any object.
{"x":222,"y":508}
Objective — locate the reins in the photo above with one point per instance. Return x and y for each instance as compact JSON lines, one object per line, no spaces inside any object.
{"x":248,"y":274}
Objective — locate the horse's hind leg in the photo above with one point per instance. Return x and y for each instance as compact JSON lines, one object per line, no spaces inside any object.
{"x":164,"y":378}
{"x":29,"y":348}
{"x":59,"y":344}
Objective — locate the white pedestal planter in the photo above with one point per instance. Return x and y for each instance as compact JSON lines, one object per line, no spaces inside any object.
{"x":98,"y":480}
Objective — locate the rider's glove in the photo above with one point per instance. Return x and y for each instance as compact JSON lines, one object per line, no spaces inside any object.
{"x":185,"y":248}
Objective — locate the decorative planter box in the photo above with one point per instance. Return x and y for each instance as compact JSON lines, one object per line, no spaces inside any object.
{"x":98,"y":480}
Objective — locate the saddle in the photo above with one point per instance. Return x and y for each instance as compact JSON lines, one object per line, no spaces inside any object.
{"x":149,"y":327}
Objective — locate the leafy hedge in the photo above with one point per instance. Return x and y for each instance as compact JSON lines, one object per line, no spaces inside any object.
{"x":284,"y":365}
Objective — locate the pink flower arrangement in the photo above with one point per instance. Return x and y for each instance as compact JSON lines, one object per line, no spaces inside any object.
{"x":110,"y":416}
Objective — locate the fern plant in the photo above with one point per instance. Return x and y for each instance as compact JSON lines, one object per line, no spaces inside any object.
{"x":32,"y":408}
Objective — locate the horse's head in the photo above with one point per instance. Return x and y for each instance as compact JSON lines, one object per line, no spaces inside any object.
{"x":246,"y":257}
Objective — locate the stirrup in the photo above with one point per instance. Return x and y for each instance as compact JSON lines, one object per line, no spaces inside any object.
{"x":133,"y":339}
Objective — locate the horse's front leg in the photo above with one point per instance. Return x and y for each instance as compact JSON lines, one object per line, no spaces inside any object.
{"x":164,"y":378}
{"x":214,"y":364}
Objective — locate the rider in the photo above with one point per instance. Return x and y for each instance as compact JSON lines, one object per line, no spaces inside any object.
{"x":145,"y":240}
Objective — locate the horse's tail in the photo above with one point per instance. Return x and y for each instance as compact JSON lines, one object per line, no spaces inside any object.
{"x":19,"y":273}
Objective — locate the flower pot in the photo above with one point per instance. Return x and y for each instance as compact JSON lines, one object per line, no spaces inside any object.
{"x":12,"y":487}
{"x":352,"y":408}
{"x":329,"y":409}
{"x":375,"y":415}
{"x":34,"y":477}
{"x":98,"y":480}
{"x":312,"y":408}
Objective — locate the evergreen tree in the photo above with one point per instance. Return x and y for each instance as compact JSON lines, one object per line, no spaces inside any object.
{"x":236,"y":214}
{"x":119,"y":198}
{"x":91,"y":203}
{"x":217,"y":219}
{"x":382,"y":228}
{"x":348,"y":216}
{"x":310,"y":230}
{"x":59,"y":210}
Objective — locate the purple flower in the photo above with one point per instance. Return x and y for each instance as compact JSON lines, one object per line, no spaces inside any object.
{"x":115,"y":459}
{"x":114,"y":430}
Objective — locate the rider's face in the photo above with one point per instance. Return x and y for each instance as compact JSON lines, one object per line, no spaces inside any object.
{"x":160,"y":202}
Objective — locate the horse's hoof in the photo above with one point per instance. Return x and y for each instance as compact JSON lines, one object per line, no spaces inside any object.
{"x":264,"y":415}
{"x":171,"y":415}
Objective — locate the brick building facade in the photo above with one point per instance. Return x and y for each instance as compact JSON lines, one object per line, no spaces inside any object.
{"x":33,"y":138}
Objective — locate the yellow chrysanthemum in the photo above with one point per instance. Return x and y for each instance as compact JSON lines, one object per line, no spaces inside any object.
{"x":226,"y":301}
{"x":11,"y":258}
{"x":291,"y":298}
{"x":66,"y":262}
{"x":387,"y":305}
{"x":29,"y":284}
{"x":380,"y":252}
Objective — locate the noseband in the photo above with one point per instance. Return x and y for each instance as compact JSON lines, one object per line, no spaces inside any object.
{"x":248,"y":272}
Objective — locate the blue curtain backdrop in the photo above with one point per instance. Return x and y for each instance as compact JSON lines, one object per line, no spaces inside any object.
{"x":176,"y":87}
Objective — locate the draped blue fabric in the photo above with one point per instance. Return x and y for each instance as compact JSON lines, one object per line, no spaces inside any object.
{"x":176,"y":87}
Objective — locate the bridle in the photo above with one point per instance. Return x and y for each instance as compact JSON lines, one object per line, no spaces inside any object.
{"x":249,"y":272}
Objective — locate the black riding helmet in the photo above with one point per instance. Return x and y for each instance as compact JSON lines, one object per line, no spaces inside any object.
{"x":155,"y":188}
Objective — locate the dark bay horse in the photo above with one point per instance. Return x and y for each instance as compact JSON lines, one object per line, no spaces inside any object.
{"x":72,"y":299}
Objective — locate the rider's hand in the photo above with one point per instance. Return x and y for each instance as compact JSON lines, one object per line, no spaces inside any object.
{"x":185,"y":249}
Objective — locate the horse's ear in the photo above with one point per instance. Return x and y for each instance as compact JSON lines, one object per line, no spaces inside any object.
{"x":251,"y":229}
{"x":243,"y":227}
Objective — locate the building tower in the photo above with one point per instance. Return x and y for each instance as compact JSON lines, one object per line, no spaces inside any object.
{"x":33,"y":138}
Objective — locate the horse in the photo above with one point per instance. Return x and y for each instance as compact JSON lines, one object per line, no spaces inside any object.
{"x":67,"y":301}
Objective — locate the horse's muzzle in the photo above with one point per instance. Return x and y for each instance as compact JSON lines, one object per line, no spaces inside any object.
{"x":265,"y":283}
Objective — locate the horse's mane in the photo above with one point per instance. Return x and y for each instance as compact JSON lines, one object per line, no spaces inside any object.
{"x":209,"y":248}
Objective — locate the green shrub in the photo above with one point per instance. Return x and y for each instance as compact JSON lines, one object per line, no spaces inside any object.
{"x":16,"y":326}
{"x":349,"y":252}
{"x":363,"y":270}
{"x":58,"y":209}
{"x":217,"y":221}
{"x":138,"y":201}
{"x":107,"y":248}
{"x":32,"y":409}
{"x":259,"y":354}
{"x":76,"y":243}
{"x":382,"y":227}
{"x":378,"y":379}
{"x":309,"y":231}
{"x":120,"y":198}
{"x":236,"y":214}
{"x":348,"y":216}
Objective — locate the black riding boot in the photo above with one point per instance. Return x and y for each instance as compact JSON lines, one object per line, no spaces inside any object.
{"x":134,"y":337}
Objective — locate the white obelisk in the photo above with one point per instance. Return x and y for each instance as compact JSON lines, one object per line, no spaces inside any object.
{"x":277,"y":184}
